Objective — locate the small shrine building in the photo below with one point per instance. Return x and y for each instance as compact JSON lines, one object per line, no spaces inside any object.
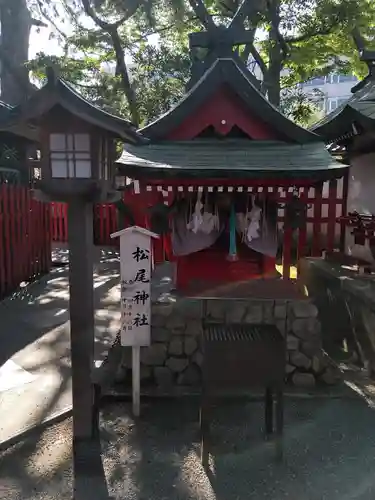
{"x":216,"y":168}
{"x":349,"y":132}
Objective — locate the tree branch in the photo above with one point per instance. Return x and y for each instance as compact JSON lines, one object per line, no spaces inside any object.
{"x":302,"y":38}
{"x":358,"y":40}
{"x":121,"y":68}
{"x":202,"y":13}
{"x":246,"y":10}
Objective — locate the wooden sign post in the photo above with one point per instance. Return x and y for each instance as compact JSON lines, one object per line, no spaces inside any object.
{"x":136,"y":266}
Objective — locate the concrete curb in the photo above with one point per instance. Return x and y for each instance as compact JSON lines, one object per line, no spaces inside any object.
{"x":126,"y":395}
{"x":55,"y":418}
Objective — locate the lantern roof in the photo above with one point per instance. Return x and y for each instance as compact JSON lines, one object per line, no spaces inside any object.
{"x":232,"y":73}
{"x":57,"y":92}
{"x":228,"y":159}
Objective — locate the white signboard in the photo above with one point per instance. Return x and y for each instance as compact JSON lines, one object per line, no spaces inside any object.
{"x":136,"y":266}
{"x":135,"y":262}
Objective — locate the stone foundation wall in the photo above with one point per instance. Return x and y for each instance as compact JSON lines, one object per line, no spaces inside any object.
{"x":175,"y":358}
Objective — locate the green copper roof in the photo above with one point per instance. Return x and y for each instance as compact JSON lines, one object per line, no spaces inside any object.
{"x":240,"y":158}
{"x":360,"y":109}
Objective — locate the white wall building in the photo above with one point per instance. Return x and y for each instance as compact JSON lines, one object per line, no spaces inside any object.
{"x":329,"y":91}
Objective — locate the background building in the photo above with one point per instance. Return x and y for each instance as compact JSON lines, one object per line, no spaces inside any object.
{"x":329,"y":91}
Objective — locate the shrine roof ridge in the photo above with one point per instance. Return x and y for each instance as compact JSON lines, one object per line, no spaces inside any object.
{"x":232,"y":72}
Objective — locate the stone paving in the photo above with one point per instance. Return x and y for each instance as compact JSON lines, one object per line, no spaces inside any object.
{"x":329,"y":455}
{"x":35,"y":380}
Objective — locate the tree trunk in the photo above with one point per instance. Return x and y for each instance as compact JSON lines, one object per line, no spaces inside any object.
{"x":273,"y":79}
{"x":15,"y":21}
{"x":122,"y":70}
{"x":276,"y":56}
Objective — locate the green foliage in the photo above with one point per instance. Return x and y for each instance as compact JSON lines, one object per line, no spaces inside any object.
{"x":294,"y":40}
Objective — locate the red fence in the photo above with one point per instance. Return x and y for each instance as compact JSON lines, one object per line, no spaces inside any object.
{"x":325,"y":203}
{"x":25,"y":237}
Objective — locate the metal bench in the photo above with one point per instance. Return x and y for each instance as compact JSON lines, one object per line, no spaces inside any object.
{"x":243,"y":356}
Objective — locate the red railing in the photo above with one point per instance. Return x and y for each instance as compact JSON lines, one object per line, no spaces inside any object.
{"x":25,"y":237}
{"x":322,"y":232}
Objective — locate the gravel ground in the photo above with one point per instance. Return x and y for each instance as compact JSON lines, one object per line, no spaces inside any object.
{"x":329,"y":454}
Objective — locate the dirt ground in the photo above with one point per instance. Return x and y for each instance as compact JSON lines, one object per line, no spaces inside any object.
{"x":329,"y":454}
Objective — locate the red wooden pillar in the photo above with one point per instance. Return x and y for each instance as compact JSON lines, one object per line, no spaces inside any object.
{"x":302,"y":231}
{"x":287,"y":244}
{"x":317,"y":222}
{"x":332,"y":206}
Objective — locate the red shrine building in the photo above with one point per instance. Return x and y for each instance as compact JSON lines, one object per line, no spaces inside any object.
{"x":214,"y":170}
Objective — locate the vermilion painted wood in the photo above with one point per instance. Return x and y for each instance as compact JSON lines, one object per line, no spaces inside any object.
{"x":8,"y":237}
{"x":344,"y":210}
{"x":287,"y":247}
{"x":302,"y":232}
{"x":25,"y":244}
{"x":332,"y":205}
{"x":224,"y":103}
{"x":18,"y":235}
{"x":317,"y":222}
{"x":24,"y":222}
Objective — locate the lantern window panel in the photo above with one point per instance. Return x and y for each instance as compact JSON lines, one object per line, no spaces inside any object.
{"x":70,"y":156}
{"x":70,"y":142}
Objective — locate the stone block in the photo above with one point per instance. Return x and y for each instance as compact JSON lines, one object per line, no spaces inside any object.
{"x":289,"y":369}
{"x":198,"y":358}
{"x":279,"y":311}
{"x":268,"y":312}
{"x":300,"y":360}
{"x":177,"y":365}
{"x":304,"y":328}
{"x":145,"y":372}
{"x":190,"y":376}
{"x":236,"y":312}
{"x":193,"y":328}
{"x":303,"y":380}
{"x":317,"y":365}
{"x":190,"y":345}
{"x":292,"y":343}
{"x":164,"y":377}
{"x":176,"y":323}
{"x":162,"y":310}
{"x":216,"y":310}
{"x":158,"y":321}
{"x":154,"y":355}
{"x":304,"y":309}
{"x":331,"y":376}
{"x":254,"y":314}
{"x":312,"y":346}
{"x":191,"y":309}
{"x":160,"y":334}
{"x":281,"y":326}
{"x":176,"y":347}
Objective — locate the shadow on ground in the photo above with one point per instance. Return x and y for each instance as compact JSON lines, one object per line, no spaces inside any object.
{"x":329,"y":454}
